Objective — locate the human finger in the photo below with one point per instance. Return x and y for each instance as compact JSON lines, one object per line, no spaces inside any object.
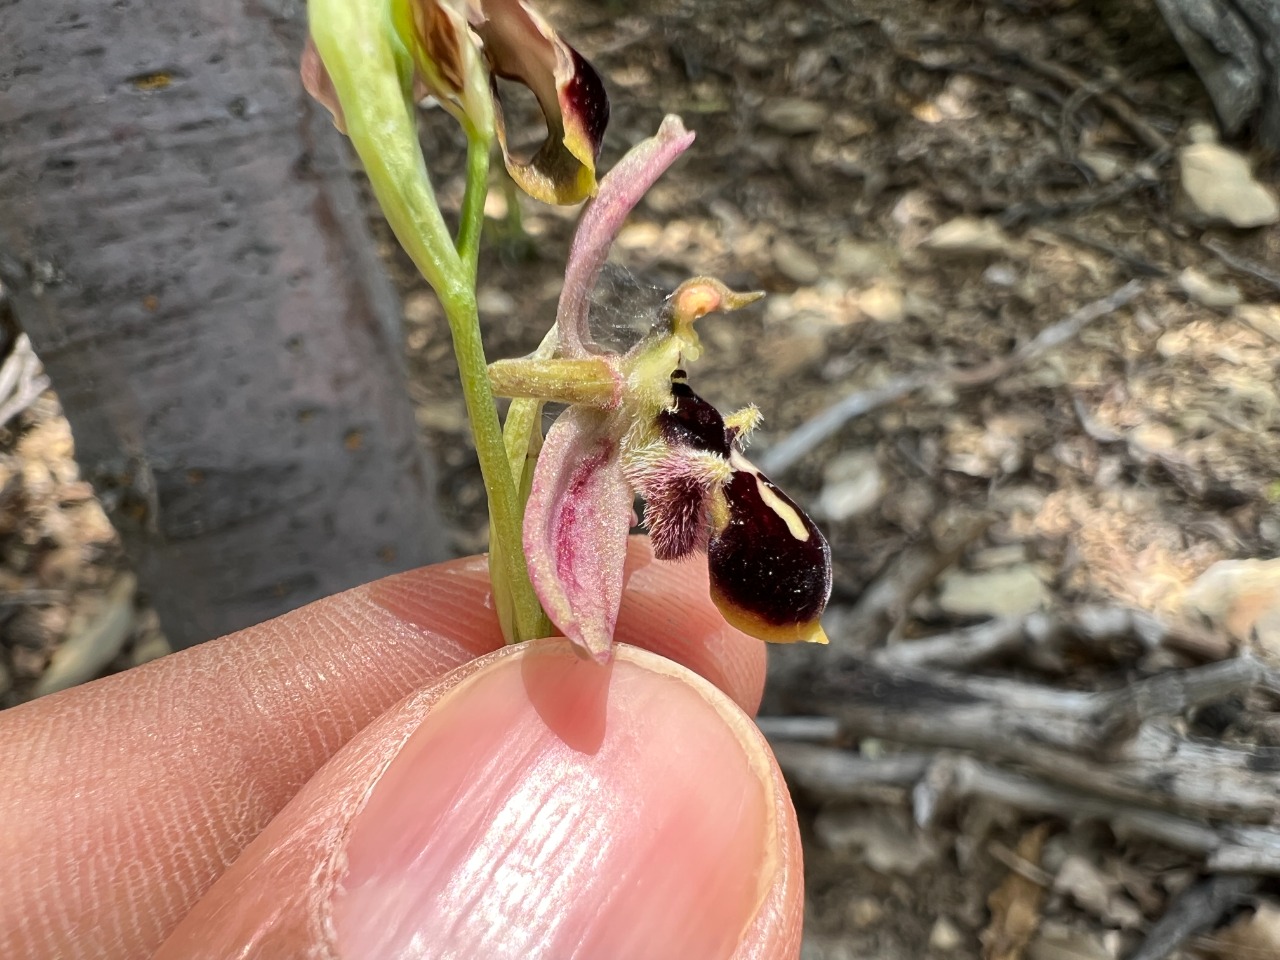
{"x":126,"y":798}
{"x":531,"y":804}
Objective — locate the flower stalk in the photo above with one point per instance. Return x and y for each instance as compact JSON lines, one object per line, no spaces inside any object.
{"x":369,"y":71}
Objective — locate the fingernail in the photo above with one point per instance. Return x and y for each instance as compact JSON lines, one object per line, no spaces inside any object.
{"x":551,"y":807}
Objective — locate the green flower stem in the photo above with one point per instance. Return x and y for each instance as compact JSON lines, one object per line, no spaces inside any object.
{"x":513,"y":593}
{"x":371,"y":73}
{"x":472,"y":220}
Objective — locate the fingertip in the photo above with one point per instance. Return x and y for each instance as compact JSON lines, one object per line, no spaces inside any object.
{"x":224,"y":733}
{"x":536,"y":802}
{"x":450,"y":599}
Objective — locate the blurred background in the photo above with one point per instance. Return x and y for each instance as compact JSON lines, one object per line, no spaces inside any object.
{"x":1018,"y":358}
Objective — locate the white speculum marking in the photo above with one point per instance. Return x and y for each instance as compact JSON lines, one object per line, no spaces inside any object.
{"x":790,"y":516}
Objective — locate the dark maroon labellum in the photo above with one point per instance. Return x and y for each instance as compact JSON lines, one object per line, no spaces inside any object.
{"x":770,"y":566}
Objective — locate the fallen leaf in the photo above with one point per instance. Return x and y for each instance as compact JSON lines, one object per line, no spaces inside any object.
{"x":1015,"y":905}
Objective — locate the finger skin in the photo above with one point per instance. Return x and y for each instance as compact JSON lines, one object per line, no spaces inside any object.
{"x":531,"y":804}
{"x":123,"y":800}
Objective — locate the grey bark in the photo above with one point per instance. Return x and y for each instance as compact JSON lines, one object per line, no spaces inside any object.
{"x":185,"y":247}
{"x":1234,"y":46}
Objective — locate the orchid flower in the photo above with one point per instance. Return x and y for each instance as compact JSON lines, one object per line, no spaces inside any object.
{"x":459,"y":47}
{"x":634,"y":425}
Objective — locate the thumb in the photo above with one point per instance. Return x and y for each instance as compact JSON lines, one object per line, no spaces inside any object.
{"x":529,"y":804}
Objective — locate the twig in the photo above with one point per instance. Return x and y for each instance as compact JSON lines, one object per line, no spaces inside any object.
{"x":939,"y":781}
{"x":1015,"y":214}
{"x":959,"y":648}
{"x":1116,"y":744}
{"x":1242,"y":264}
{"x":1091,"y":426}
{"x":1120,"y":108}
{"x":1083,"y":89}
{"x":790,"y":449}
{"x":1139,"y":265}
{"x":1069,"y":328}
{"x":799,"y":729}
{"x":22,"y":598}
{"x":1176,"y":691}
{"x":1044,"y":635}
{"x":1197,"y":908}
{"x":1068,"y":132}
{"x":1022,"y":867}
{"x":835,"y":774}
{"x":884,"y":603}
{"x":910,"y":49}
{"x":954,"y":778}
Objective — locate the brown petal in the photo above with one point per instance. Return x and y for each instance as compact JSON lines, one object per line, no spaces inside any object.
{"x":446,"y":58}
{"x":692,"y":422}
{"x":438,"y":34}
{"x":520,"y":45}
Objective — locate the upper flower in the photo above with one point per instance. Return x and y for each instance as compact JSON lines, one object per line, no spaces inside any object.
{"x":458,"y":47}
{"x":520,"y":45}
{"x":634,"y":425}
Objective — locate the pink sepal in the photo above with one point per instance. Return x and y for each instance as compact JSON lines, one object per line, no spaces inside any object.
{"x":620,"y":190}
{"x":575,"y":528}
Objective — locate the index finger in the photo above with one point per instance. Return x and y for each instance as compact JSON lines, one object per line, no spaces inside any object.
{"x":125,"y":799}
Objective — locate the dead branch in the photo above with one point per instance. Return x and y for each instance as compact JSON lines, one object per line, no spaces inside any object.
{"x":22,"y":598}
{"x":963,"y":778}
{"x":791,"y":448}
{"x":1116,"y":105}
{"x":1036,"y":211}
{"x":1082,"y":88}
{"x":835,"y":774}
{"x":965,"y":647}
{"x":937,"y":782}
{"x":1121,"y":744}
{"x":1139,"y":265}
{"x":799,"y":729}
{"x":1045,"y":636}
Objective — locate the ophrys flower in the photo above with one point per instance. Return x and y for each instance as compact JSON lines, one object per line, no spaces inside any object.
{"x":634,"y":425}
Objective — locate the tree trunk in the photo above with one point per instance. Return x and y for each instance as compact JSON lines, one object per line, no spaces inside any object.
{"x":1235,"y":47}
{"x":187,"y":251}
